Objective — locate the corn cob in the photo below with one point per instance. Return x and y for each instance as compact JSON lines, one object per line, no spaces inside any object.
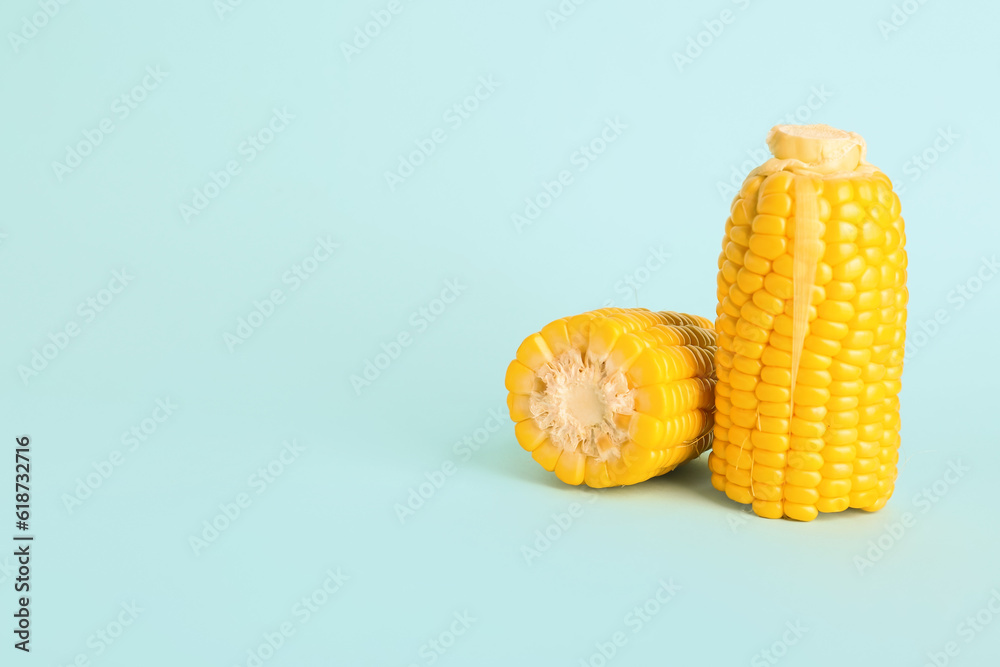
{"x":811,"y":320}
{"x":614,"y":396}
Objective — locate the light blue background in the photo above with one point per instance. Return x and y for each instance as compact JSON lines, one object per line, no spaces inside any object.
{"x":741,"y":578}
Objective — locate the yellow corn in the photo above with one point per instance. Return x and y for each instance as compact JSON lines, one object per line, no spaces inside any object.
{"x":614,"y":396}
{"x":811,"y":320}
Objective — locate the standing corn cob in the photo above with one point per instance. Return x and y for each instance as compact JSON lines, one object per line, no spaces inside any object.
{"x":614,"y":396}
{"x":811,"y":322}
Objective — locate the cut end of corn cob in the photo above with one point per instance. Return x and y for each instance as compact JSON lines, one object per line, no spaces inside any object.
{"x":823,"y":148}
{"x":614,"y":396}
{"x":811,"y":322}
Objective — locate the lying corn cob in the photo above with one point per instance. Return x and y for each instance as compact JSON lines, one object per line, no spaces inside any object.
{"x":811,"y":321}
{"x":614,"y":396}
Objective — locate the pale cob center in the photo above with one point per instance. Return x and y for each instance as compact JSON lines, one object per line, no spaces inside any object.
{"x":577,"y":405}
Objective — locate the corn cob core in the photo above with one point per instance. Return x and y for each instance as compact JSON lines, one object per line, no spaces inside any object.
{"x":811,"y":322}
{"x":614,"y":396}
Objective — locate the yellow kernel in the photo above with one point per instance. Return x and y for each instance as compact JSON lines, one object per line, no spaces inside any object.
{"x":812,"y":377}
{"x":784,"y":325}
{"x":748,"y":281}
{"x":738,"y":296}
{"x":769,"y":458}
{"x":729,"y":271}
{"x":747,"y":365}
{"x":849,"y":269}
{"x":740,"y":234}
{"x":741,"y":381}
{"x":847,"y":387}
{"x":835,"y":311}
{"x":804,"y":479}
{"x":842,"y":403}
{"x":772,"y":442}
{"x":843,"y":419}
{"x":839,"y":290}
{"x":765,"y":492}
{"x":849,"y":211}
{"x":840,"y":436}
{"x":839,"y":231}
{"x":767,"y":475}
{"x":838,"y":504}
{"x":754,"y":315}
{"x":807,"y":429}
{"x":800,"y":512}
{"x":837,"y":192}
{"x":815,"y":413}
{"x":870,"y":278}
{"x":772,"y":393}
{"x":805,"y":395}
{"x":768,"y":246}
{"x":755,"y":263}
{"x":772,"y":425}
{"x":750,"y":331}
{"x":753,"y":350}
{"x":779,"y":286}
{"x":783,"y":266}
{"x":778,"y":204}
{"x":839,"y":252}
{"x":779,"y":377}
{"x":821,"y":345}
{"x":806,"y":445}
{"x":768,"y":509}
{"x":803,"y":460}
{"x":767,"y":302}
{"x":768,"y":224}
{"x":858,"y":340}
{"x":772,"y":356}
{"x":797,"y":494}
{"x":779,"y":181}
{"x":769,"y":409}
{"x":854,"y":357}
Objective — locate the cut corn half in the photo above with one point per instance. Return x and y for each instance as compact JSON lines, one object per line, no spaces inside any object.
{"x":811,"y":321}
{"x":614,"y":396}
